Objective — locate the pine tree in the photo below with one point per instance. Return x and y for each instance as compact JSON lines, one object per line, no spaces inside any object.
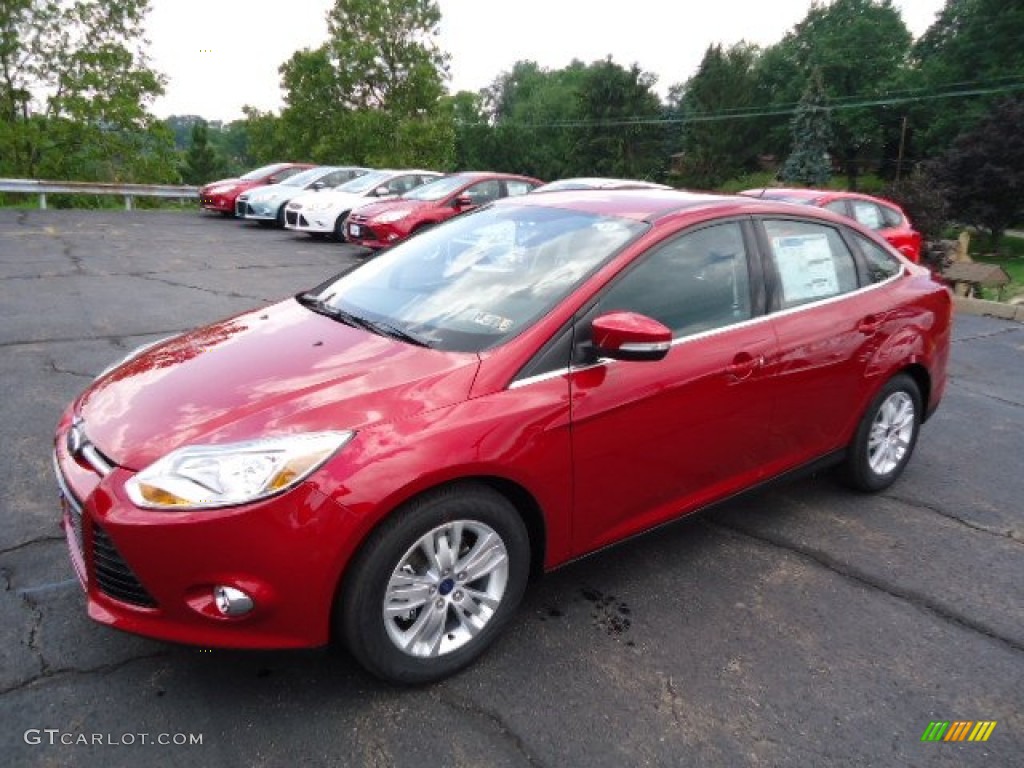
{"x":201,"y":162}
{"x":809,"y":162}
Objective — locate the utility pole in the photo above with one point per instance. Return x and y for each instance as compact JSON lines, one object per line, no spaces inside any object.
{"x":903,"y":144}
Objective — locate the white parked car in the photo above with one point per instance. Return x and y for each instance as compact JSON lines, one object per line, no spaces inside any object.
{"x":324,"y":212}
{"x":266,"y":204}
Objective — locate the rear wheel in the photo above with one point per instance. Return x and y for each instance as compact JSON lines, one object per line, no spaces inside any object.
{"x":435,"y":584}
{"x":886,"y":436}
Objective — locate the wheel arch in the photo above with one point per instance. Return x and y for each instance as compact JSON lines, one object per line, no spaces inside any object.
{"x":923,"y":379}
{"x":524,"y":502}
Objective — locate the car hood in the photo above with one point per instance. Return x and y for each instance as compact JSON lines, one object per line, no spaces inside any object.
{"x":278,"y":370}
{"x":398,"y":204}
{"x":280,"y":191}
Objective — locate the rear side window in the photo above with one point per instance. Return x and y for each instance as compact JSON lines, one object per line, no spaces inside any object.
{"x":811,"y":260}
{"x":867,"y":214}
{"x":881,"y":264}
{"x":891,"y":216}
{"x":516,"y":188}
{"x":287,"y":173}
{"x":838,"y":206}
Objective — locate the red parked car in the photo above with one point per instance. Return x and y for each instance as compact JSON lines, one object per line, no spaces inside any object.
{"x":385,"y":223}
{"x":386,"y":458}
{"x":883,"y":216}
{"x":220,"y":195}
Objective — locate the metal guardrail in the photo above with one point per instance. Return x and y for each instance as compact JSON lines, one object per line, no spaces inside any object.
{"x":130,"y":191}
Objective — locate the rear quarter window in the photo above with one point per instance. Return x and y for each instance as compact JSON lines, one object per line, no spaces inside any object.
{"x":880,"y":263}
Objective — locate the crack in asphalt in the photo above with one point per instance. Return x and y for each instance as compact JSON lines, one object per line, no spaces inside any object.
{"x":471,"y":707}
{"x":30,"y":543}
{"x":1000,"y":332}
{"x":116,"y":339}
{"x":1011,"y":534}
{"x":918,"y":600}
{"x":222,"y":294}
{"x":60,"y":672}
{"x":57,"y":369}
{"x":1006,"y":401}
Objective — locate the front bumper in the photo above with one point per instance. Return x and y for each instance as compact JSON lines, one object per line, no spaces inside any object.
{"x":372,"y":234}
{"x":218,"y":203}
{"x":306,"y":220}
{"x":153,"y":573}
{"x":256,"y":211}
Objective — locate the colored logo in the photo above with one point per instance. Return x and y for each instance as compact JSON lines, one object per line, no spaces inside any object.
{"x":958,"y":730}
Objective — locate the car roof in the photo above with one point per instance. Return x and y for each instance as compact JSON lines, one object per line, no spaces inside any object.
{"x":639,"y":204}
{"x":812,"y":196}
{"x":598,"y":182}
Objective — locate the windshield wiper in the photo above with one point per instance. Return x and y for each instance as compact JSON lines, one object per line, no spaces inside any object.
{"x":379,"y":327}
{"x":387,"y":329}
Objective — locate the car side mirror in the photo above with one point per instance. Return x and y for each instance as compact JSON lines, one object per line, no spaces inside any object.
{"x":272,"y":180}
{"x":318,"y":185}
{"x":382,"y":192}
{"x":464,"y":201}
{"x":630,"y":336}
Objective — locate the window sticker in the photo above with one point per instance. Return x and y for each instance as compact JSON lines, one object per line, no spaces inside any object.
{"x":806,"y":266}
{"x":868,"y":215}
{"x":497,"y":322}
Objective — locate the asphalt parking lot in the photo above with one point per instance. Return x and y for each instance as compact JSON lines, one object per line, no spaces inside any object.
{"x":803,"y":626}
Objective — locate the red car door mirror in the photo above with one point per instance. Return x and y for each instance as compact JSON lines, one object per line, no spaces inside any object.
{"x":630,"y":336}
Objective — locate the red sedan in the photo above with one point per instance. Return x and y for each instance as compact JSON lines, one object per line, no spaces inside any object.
{"x":386,"y":458}
{"x":220,"y":196}
{"x":385,"y":223}
{"x":883,"y":216}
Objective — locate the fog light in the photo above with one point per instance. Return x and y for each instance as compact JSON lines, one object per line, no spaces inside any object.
{"x":231,"y":601}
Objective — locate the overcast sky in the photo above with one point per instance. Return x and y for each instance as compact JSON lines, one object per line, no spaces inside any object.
{"x":219,"y":55}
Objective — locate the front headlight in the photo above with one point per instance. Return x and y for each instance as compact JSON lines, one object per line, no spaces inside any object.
{"x":210,"y":476}
{"x":389,"y":217}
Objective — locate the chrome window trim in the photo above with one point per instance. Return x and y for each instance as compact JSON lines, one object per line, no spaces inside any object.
{"x":678,"y":340}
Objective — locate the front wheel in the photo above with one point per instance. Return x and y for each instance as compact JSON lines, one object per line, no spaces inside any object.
{"x":886,"y":436}
{"x":433,"y":587}
{"x":339,"y":226}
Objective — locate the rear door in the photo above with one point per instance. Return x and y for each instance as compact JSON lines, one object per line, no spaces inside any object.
{"x":831,"y":314}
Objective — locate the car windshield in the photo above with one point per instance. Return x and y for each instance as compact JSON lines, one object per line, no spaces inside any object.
{"x":435,"y":190}
{"x":266,"y":170}
{"x":365,"y":182}
{"x":482,"y":278}
{"x":308,"y":177}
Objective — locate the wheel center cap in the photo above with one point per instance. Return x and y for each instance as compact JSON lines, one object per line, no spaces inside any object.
{"x":446,"y":586}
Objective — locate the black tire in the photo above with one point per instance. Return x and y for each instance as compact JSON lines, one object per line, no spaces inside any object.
{"x":885,"y":437}
{"x":449,"y":627}
{"x":339,"y":226}
{"x":279,"y":218}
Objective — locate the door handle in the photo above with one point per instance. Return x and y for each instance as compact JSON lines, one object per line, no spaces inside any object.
{"x":869,"y":325}
{"x":744,"y":364}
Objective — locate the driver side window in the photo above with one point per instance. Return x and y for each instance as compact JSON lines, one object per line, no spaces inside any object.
{"x":696,"y":282}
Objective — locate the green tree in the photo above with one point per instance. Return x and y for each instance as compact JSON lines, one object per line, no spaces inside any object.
{"x":809,"y":162}
{"x":376,"y":83}
{"x":202,"y":163}
{"x":861,"y":48}
{"x":531,"y":109}
{"x":973,"y":45}
{"x":619,"y":132}
{"x":983,"y":170}
{"x":75,"y":85}
{"x":719,"y":138}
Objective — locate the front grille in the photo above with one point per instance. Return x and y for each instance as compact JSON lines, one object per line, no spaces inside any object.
{"x":239,"y":208}
{"x":113,"y":576}
{"x":291,"y":217}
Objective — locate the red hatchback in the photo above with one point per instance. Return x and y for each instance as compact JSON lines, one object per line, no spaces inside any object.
{"x":220,"y":196}
{"x":385,"y":223}
{"x":883,"y":216}
{"x":387,"y":457}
